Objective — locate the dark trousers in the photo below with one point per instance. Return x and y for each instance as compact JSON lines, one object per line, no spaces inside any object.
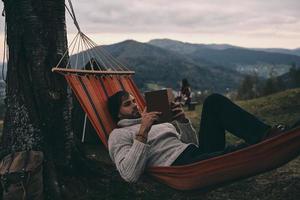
{"x":219,"y":114}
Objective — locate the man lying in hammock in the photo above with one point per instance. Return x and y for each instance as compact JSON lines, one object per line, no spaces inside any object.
{"x":138,"y":143}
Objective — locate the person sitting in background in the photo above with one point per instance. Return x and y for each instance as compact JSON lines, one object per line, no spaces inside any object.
{"x":138,"y":143}
{"x":185,"y":92}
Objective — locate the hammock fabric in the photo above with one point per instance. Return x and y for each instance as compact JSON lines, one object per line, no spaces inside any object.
{"x":103,"y":75}
{"x":92,"y":91}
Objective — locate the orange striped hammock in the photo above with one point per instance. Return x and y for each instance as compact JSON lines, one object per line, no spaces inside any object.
{"x":92,"y":89}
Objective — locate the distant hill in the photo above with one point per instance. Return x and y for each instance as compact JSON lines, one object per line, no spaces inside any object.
{"x":280,"y":50}
{"x":186,"y":47}
{"x":216,"y":67}
{"x":157,"y":67}
{"x":235,"y":58}
{"x":281,"y":107}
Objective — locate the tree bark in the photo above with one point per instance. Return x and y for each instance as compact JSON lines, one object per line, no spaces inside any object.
{"x":37,"y":105}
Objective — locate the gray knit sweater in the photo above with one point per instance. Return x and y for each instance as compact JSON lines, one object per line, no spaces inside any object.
{"x":163,"y":146}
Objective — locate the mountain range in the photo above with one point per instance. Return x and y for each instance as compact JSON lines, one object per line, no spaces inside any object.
{"x":163,"y":63}
{"x":156,"y":67}
{"x":217,"y":67}
{"x":247,"y":61}
{"x":280,"y":50}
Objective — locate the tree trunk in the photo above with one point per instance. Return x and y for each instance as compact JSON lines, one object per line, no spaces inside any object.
{"x":38,"y":114}
{"x":37,"y":106}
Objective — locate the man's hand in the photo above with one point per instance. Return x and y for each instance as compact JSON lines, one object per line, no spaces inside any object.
{"x":178,"y":113}
{"x":148,"y":118}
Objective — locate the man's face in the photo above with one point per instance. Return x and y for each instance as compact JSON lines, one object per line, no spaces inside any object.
{"x":129,"y":109}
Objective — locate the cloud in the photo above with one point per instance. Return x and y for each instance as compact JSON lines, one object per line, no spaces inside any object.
{"x":198,"y":16}
{"x":220,"y":19}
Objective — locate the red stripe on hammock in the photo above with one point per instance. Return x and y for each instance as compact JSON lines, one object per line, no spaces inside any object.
{"x":125,"y":81}
{"x":95,"y":81}
{"x":137,"y":93}
{"x":99,"y":103}
{"x":85,"y":103}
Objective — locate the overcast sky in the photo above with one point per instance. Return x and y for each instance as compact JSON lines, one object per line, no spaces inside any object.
{"x":250,"y":23}
{"x":247,"y":23}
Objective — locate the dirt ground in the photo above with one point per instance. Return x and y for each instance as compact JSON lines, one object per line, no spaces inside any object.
{"x":281,"y":183}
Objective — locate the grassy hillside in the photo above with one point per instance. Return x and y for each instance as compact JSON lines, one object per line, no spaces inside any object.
{"x":282,"y":107}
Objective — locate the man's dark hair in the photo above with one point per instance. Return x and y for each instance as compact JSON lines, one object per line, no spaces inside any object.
{"x":115,"y":102}
{"x":185,"y":83}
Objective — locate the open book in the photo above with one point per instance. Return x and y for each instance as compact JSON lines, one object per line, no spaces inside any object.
{"x":160,"y":100}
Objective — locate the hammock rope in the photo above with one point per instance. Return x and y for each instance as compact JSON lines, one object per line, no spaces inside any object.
{"x":86,"y":53}
{"x":84,"y":129}
{"x":84,"y":50}
{"x":5,"y":50}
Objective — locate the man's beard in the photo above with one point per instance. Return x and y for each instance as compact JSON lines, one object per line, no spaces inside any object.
{"x":136,"y":114}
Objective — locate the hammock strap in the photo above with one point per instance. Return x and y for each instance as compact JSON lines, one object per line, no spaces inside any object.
{"x":92,"y":45}
{"x":88,"y":49}
{"x":72,"y":14}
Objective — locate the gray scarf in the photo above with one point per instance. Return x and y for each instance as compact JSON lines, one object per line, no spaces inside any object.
{"x":128,"y":122}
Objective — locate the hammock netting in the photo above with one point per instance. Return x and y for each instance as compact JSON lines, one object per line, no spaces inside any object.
{"x":93,"y":75}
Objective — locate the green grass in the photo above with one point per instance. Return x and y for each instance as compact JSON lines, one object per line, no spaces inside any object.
{"x":153,"y":86}
{"x":283,"y":107}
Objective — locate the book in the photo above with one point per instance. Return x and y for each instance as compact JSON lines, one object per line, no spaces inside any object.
{"x":160,"y":101}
